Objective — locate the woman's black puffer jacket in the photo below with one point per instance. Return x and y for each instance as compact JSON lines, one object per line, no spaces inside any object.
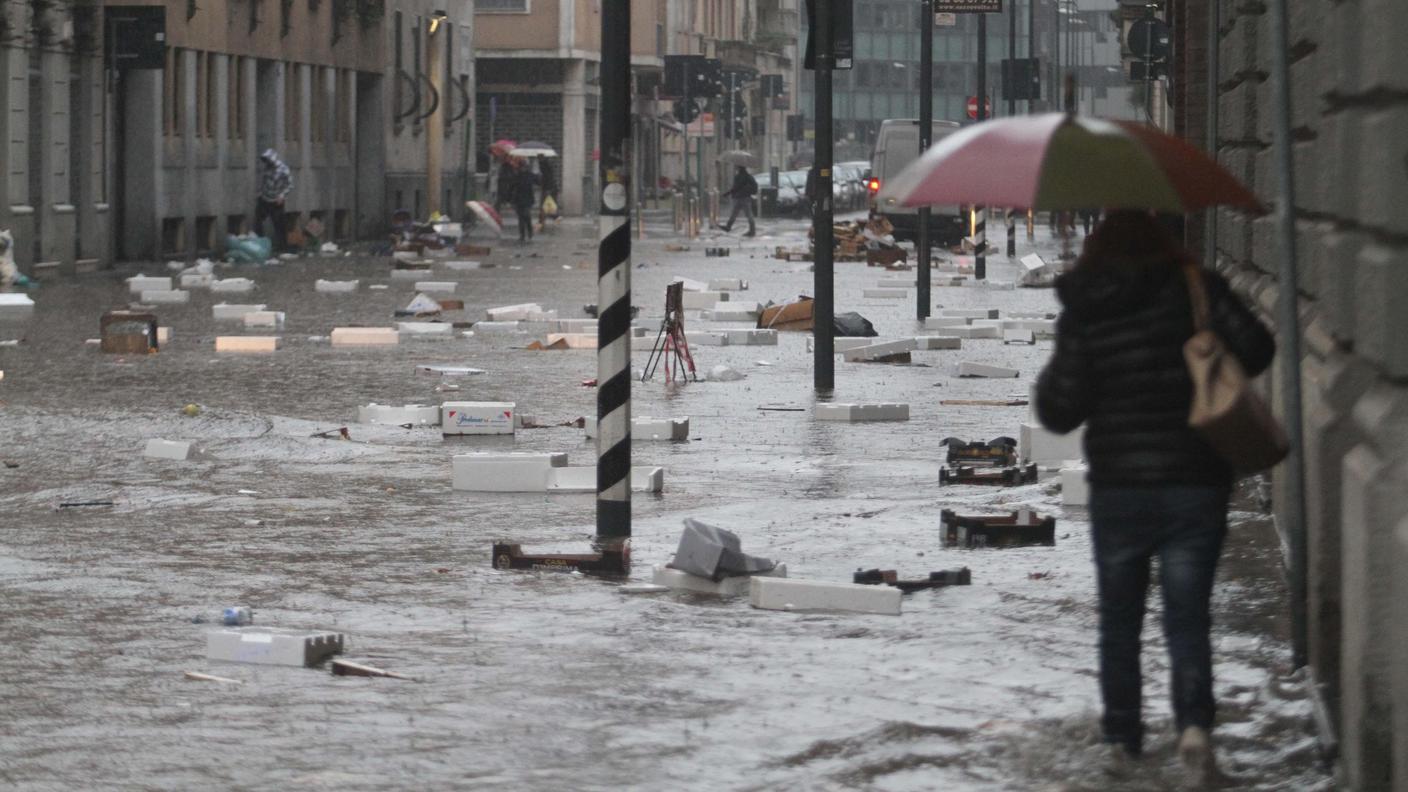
{"x":1119,"y":368}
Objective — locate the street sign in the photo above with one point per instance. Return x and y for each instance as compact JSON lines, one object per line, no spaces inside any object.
{"x":945,"y":20}
{"x":973,"y":107}
{"x":703,"y":126}
{"x":1148,"y":39}
{"x":968,"y":6}
{"x":843,"y":43}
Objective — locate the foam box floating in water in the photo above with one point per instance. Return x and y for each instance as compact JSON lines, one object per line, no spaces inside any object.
{"x":733,"y":312}
{"x":678,"y":580}
{"x":1042,"y":328}
{"x":335,"y":286}
{"x":583,"y":479}
{"x":269,"y":319}
{"x":427,"y":329}
{"x":178,"y":450}
{"x":513,"y":313}
{"x":881,"y":350}
{"x":751,"y":337}
{"x":1039,"y":445}
{"x":16,"y":300}
{"x":857,"y":413}
{"x":939,"y":322}
{"x":573,"y":340}
{"x":969,"y":313}
{"x":391,"y":415}
{"x":787,"y":594}
{"x":365,"y":336}
{"x":1018,"y":337}
{"x":435,"y":286}
{"x":703,"y":300}
{"x":982,"y":331}
{"x":646,"y":428}
{"x":447,"y":370}
{"x":498,"y":327}
{"x":504,"y":472}
{"x":897,"y":283}
{"x":408,"y":274}
{"x":166,"y":297}
{"x":726,"y":284}
{"x":1075,"y":489}
{"x":232,"y":285}
{"x":163,"y":334}
{"x":251,"y":344}
{"x":140,"y":283}
{"x":708,"y":339}
{"x":938,"y":342}
{"x":885,"y":294}
{"x":478,"y":418}
{"x":461,"y":265}
{"x":196,"y":280}
{"x":267,"y":646}
{"x":227,"y":311}
{"x":970,"y":369}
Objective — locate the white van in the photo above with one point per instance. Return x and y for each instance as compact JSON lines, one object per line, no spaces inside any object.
{"x":896,"y":146}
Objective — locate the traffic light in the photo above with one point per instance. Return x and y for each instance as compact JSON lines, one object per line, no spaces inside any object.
{"x":704,"y":75}
{"x":795,"y":127}
{"x":686,"y":112}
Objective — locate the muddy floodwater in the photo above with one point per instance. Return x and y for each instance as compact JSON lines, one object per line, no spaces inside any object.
{"x":547,"y":681}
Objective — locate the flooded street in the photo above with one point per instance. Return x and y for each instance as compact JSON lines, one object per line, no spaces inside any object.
{"x":542,"y":681}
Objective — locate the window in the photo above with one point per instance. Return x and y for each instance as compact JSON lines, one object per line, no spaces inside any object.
{"x":318,"y":104}
{"x":205,"y":94}
{"x":342,"y":99}
{"x":174,"y":98}
{"x":293,"y":106}
{"x":236,"y":95}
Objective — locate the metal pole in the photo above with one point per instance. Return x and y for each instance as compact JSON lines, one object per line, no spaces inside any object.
{"x":1011,"y":57}
{"x":926,"y":130}
{"x":613,"y":357}
{"x":1055,"y":56}
{"x":1214,"y":12}
{"x":823,"y":321}
{"x":1031,"y":47}
{"x":1011,"y":234}
{"x":1292,"y":522}
{"x":688,"y":202}
{"x":1149,"y":69}
{"x":980,"y":236}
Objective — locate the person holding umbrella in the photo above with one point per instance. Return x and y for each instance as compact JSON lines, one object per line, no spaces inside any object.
{"x":741,"y":193}
{"x":1121,"y":367}
{"x":521,"y":183}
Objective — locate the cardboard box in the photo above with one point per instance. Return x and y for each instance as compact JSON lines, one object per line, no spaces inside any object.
{"x":365,"y":336}
{"x":248,"y":344}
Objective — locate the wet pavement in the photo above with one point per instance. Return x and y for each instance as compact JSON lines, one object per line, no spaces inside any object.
{"x":542,"y":681}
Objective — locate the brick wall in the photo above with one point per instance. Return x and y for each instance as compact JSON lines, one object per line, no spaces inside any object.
{"x":1349,"y":85}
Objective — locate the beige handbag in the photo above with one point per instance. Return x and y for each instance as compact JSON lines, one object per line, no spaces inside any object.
{"x":1228,"y":414}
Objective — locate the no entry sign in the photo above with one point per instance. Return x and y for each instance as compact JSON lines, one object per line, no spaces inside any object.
{"x":973,"y":107}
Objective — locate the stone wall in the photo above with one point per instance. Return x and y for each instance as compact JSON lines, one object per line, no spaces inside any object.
{"x":1349,"y":83}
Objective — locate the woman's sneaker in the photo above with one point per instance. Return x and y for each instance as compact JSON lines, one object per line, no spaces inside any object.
{"x":1195,"y":751}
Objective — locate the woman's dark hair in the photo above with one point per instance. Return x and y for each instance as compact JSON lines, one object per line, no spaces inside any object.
{"x":1131,"y":238}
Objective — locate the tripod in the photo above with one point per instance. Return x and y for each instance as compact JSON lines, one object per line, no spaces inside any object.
{"x":671,"y":347}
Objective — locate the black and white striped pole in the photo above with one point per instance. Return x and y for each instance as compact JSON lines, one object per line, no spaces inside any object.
{"x":1011,"y":234}
{"x":980,"y":242}
{"x":613,"y":356}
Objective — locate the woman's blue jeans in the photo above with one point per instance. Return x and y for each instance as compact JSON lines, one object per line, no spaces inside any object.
{"x":1183,"y":526}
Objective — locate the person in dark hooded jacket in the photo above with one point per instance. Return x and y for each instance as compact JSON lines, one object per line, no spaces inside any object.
{"x":1156,"y":488}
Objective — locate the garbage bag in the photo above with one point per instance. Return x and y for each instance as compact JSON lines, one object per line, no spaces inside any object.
{"x":714,"y":553}
{"x":855,"y":325}
{"x":248,"y":249}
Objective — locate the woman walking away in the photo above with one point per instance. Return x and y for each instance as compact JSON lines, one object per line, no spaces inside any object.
{"x":1156,"y":488}
{"x":523,"y":200}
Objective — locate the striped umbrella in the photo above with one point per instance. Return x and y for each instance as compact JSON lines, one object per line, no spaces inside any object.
{"x":1059,"y":161}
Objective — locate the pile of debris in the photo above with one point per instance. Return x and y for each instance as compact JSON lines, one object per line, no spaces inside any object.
{"x":871,"y":241}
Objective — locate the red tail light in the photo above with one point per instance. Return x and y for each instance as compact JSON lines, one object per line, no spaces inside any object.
{"x":873,"y":185}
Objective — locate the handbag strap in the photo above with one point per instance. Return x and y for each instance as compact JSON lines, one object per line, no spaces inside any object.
{"x":1197,"y":295}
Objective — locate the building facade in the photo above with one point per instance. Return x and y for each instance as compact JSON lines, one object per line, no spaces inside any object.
{"x":1349,"y":129}
{"x":55,"y":191}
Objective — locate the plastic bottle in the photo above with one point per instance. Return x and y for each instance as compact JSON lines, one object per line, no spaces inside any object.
{"x":237,"y":616}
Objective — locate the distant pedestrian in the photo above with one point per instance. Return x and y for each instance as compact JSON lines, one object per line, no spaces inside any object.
{"x":275,"y":183}
{"x":1088,"y":218}
{"x":547,"y":181}
{"x":741,"y":194}
{"x":521,"y":194}
{"x":1156,"y":488}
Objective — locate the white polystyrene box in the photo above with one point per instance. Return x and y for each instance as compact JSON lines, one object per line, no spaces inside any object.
{"x":512,"y":313}
{"x":1037,"y":444}
{"x":647,"y":428}
{"x":691,"y":285}
{"x":498,"y":326}
{"x":16,"y":300}
{"x":734,"y":312}
{"x":573,"y":340}
{"x":408,"y":274}
{"x":969,"y":313}
{"x":429,"y":329}
{"x":478,"y":418}
{"x":265,"y":319}
{"x":708,"y":339}
{"x":394,"y":415}
{"x":140,"y":283}
{"x":938,"y":322}
{"x":1018,"y":337}
{"x":163,"y":335}
{"x":984,"y":331}
{"x":855,"y":413}
{"x":751,"y":337}
{"x":178,"y":450}
{"x":507,"y":472}
{"x":727,"y":284}
{"x":882,"y":349}
{"x":897,"y":283}
{"x":258,"y":344}
{"x":225,"y":311}
{"x":968,"y":368}
{"x":542,"y":316}
{"x":774,"y":593}
{"x":335,"y":286}
{"x":1075,"y":489}
{"x":365,"y":336}
{"x":232,"y":285}
{"x":459,"y":264}
{"x":938,"y":342}
{"x":703,"y":300}
{"x":583,"y":479}
{"x":885,"y":294}
{"x":435,"y":286}
{"x":267,"y":646}
{"x":196,"y":280}
{"x":677,"y":580}
{"x":167,"y":297}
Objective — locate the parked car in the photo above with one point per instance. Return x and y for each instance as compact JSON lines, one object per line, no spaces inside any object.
{"x":797,"y":180}
{"x":789,"y":199}
{"x":896,"y":146}
{"x":853,"y":175}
